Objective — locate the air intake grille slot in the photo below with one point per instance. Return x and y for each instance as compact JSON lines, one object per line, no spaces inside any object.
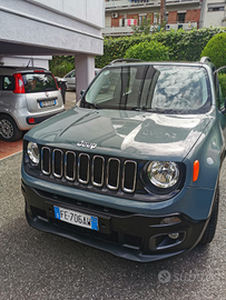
{"x":113,"y":170}
{"x":129,"y":176}
{"x":83,"y":168}
{"x":70,"y":166}
{"x":46,"y":160}
{"x":102,"y":172}
{"x":98,"y":170}
{"x":57,"y":163}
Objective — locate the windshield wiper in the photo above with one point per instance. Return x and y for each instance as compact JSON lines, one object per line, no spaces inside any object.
{"x":88,"y":104}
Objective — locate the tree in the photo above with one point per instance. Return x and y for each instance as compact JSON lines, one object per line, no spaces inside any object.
{"x":142,"y":28}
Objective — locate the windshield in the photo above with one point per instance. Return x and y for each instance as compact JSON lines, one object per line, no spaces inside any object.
{"x":164,"y":88}
{"x":39,"y":82}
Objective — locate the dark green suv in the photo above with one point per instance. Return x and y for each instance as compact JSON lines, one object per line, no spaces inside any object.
{"x":134,"y":167}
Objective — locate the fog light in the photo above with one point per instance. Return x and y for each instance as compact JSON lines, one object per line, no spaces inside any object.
{"x":174,"y":235}
{"x":171,"y":220}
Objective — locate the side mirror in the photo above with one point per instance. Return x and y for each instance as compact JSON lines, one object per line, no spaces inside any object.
{"x":82,"y":93}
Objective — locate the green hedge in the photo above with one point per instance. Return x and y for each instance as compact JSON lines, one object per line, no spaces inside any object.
{"x":182,"y":45}
{"x":148,"y":51}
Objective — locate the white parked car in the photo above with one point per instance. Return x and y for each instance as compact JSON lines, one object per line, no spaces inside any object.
{"x":28,"y":96}
{"x":71,"y":80}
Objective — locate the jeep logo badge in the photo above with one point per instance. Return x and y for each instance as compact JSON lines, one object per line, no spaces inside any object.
{"x":87,"y":145}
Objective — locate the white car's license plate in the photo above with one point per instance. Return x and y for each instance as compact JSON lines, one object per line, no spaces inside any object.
{"x":47,"y":103}
{"x":76,"y":218}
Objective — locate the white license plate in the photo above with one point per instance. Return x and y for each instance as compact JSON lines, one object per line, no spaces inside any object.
{"x":47,"y":103}
{"x":76,"y":218}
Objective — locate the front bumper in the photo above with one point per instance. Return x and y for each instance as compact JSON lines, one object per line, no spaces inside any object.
{"x":134,"y":236}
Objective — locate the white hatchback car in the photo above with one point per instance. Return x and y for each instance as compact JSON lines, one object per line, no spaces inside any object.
{"x":27,"y":97}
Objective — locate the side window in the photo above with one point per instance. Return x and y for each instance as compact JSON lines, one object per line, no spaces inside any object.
{"x":72,"y":74}
{"x":221,"y":87}
{"x":8,"y":83}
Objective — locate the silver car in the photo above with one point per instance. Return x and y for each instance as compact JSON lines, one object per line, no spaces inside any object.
{"x":71,"y":79}
{"x":27,"y":97}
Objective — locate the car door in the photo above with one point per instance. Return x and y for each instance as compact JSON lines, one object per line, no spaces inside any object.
{"x":71,"y":80}
{"x":220,"y":86}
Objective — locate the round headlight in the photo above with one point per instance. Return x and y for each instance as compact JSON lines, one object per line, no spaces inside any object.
{"x":163,"y":174}
{"x":33,"y":152}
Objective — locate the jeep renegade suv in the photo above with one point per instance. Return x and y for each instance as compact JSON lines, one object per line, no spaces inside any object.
{"x":133,"y":168}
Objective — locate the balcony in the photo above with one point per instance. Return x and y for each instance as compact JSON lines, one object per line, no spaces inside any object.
{"x":135,"y":4}
{"x":185,"y":26}
{"x":127,"y":30}
{"x":120,"y":4}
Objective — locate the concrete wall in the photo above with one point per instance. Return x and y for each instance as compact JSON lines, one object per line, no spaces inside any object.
{"x":60,"y":25}
{"x":31,"y":61}
{"x":89,"y":11}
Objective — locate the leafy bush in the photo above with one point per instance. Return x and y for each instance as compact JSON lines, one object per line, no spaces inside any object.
{"x":216,"y":50}
{"x":60,"y":66}
{"x":148,"y":51}
{"x":222,"y":82}
{"x":182,"y":45}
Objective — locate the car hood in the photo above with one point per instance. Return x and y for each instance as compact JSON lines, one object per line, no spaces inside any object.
{"x":125,"y":133}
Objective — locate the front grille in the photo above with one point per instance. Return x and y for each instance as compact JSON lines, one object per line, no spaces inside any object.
{"x":99,"y":171}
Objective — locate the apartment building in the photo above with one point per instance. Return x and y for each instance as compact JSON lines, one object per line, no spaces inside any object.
{"x":120,"y":15}
{"x":213,"y":13}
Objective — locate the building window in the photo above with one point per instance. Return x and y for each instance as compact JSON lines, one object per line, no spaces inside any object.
{"x":138,"y":1}
{"x":181,"y":17}
{"x":167,"y":17}
{"x":156,"y":18}
{"x":142,"y":18}
{"x":216,"y":7}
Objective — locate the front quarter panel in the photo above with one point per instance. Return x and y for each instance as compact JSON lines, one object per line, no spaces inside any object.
{"x":209,"y":151}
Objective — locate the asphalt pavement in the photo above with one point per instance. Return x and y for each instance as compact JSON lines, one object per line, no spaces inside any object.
{"x":41,"y":266}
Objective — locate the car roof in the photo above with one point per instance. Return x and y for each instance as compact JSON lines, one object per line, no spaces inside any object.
{"x":205,"y":62}
{"x":9,"y":70}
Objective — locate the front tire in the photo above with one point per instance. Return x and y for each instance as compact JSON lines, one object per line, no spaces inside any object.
{"x":211,"y":227}
{"x":8,"y":129}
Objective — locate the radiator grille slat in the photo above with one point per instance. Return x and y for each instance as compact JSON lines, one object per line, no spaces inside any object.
{"x":46,"y":160}
{"x":111,"y":173}
{"x":83,"y":168}
{"x":57,"y":163}
{"x":70,"y":165}
{"x":113,"y":170}
{"x":98,"y":170}
{"x":129,"y":176}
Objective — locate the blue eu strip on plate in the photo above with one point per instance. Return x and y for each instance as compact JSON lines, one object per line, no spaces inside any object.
{"x":57,"y":212}
{"x":94,"y":223}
